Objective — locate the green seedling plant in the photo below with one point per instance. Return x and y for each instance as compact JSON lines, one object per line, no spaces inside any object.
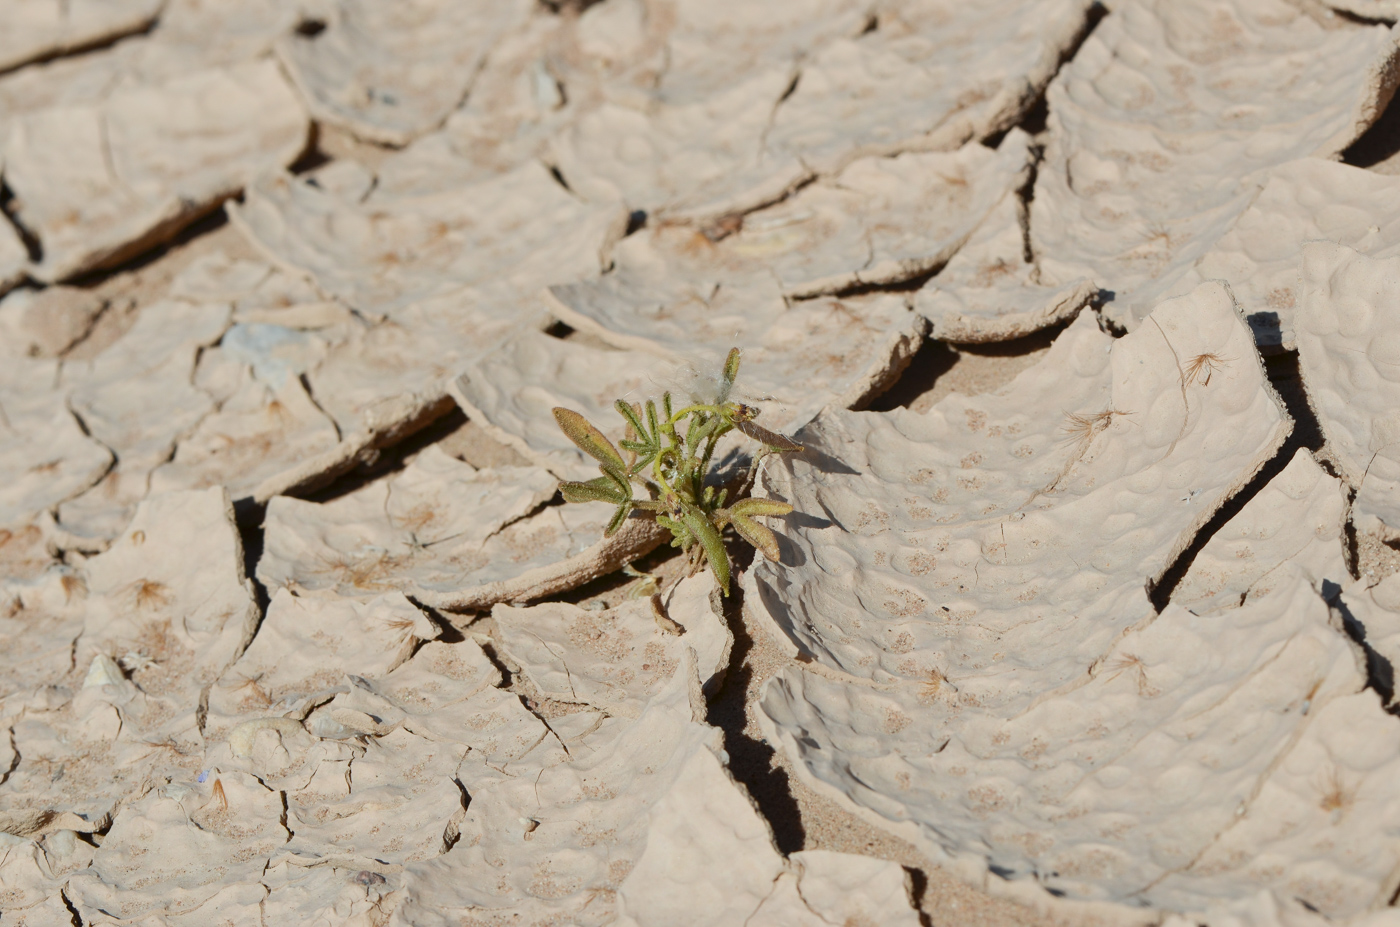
{"x":667,"y":453}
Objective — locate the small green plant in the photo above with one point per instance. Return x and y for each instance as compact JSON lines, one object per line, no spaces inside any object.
{"x":668,"y":454}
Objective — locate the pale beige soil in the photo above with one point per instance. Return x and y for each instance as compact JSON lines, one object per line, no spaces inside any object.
{"x":532,"y":242}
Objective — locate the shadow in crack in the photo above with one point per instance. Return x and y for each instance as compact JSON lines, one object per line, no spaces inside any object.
{"x":1038,"y":113}
{"x":1380,"y":673}
{"x":750,"y":757}
{"x":940,"y":368}
{"x":1379,"y":143}
{"x":382,"y":461}
{"x":1283,"y":373}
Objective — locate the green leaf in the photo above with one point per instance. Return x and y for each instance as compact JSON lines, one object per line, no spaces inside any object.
{"x":651,"y":420}
{"x":756,"y":534}
{"x":588,"y":438}
{"x":633,"y":419}
{"x":600,"y":489}
{"x":618,"y":518}
{"x":753,"y":506}
{"x":679,"y":532}
{"x":644,"y":460}
{"x":731,"y":367}
{"x":697,"y":421}
{"x":713,"y":544}
{"x":705,"y":430}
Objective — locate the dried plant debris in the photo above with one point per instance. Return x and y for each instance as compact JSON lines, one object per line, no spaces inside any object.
{"x":99,"y":182}
{"x":1297,"y":519}
{"x":404,"y":248}
{"x":1346,"y":332}
{"x":1131,"y":193}
{"x":617,"y":659}
{"x":1002,"y":542}
{"x":390,"y":73}
{"x":1305,"y":200}
{"x":36,"y":30}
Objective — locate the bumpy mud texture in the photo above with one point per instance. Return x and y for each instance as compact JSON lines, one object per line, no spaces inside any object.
{"x":1085,"y":315}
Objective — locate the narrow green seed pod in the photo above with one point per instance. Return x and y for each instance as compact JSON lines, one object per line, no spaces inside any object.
{"x":731,"y":366}
{"x":752,"y":506}
{"x":588,"y":438}
{"x":757,"y":535}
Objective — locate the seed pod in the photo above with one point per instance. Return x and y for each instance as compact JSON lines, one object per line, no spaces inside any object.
{"x":757,"y":535}
{"x":731,"y":366}
{"x":753,"y":506}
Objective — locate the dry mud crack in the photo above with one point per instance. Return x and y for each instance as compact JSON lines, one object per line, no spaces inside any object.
{"x":1088,"y":611}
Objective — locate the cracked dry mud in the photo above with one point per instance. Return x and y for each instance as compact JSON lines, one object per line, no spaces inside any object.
{"x":1088,"y":611}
